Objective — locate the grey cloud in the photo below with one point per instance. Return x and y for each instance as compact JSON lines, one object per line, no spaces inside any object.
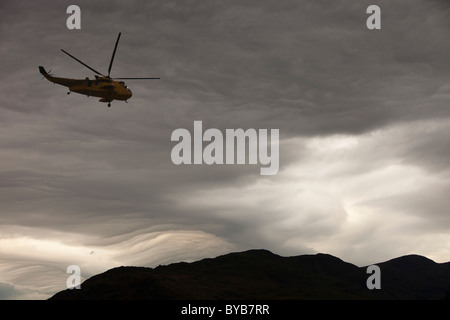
{"x":7,"y":291}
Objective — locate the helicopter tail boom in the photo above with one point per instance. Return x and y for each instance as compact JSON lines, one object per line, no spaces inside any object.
{"x":62,"y":81}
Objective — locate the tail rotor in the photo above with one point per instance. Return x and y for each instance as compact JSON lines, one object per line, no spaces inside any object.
{"x":49,"y":73}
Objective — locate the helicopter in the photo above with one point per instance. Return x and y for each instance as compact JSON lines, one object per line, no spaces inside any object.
{"x":105,"y":87}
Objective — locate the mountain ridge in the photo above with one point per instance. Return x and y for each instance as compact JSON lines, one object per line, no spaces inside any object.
{"x":259,"y":274}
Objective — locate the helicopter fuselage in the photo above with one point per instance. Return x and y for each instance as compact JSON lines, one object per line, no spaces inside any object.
{"x":102,"y":87}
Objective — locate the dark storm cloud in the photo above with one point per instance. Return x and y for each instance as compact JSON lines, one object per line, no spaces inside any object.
{"x":302,"y":65}
{"x":350,"y":104}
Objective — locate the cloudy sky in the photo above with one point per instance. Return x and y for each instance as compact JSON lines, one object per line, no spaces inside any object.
{"x":363,"y":115}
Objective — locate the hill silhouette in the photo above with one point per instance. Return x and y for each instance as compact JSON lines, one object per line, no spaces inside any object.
{"x":262,"y":275}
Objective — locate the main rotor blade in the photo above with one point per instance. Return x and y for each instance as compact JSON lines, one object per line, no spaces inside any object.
{"x":84,"y":64}
{"x":135,"y":78}
{"x":114,"y":53}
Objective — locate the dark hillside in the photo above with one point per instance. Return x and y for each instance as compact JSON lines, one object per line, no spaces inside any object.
{"x":262,"y":275}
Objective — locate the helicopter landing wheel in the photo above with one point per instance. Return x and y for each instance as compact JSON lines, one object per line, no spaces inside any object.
{"x":68,"y":92}
{"x":109,"y":105}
